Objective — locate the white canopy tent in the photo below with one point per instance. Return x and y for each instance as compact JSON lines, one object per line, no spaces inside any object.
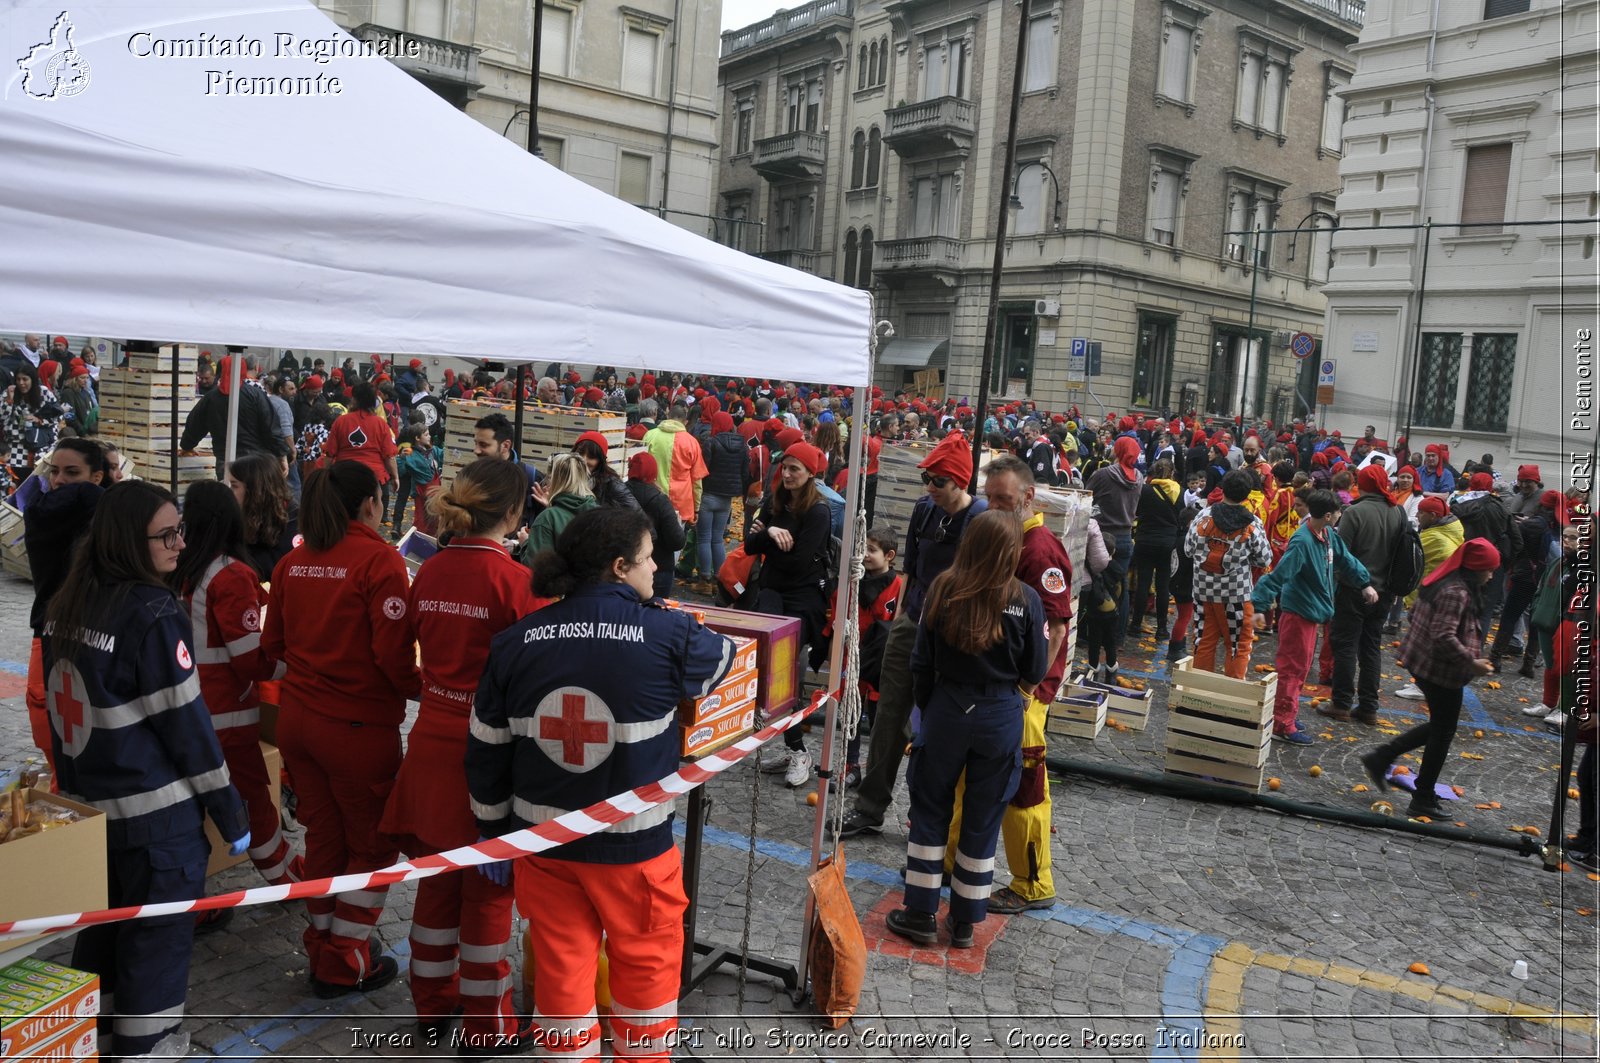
{"x":149,"y":196}
{"x":240,"y":172}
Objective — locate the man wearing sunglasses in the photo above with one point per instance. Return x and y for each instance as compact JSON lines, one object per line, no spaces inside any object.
{"x":937,"y":522}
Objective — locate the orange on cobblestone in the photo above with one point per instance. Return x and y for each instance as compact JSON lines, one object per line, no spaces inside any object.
{"x":1274,"y":783}
{"x":1359,"y":788}
{"x":1492,"y":685}
{"x":1572,"y":794}
{"x":1457,"y":790}
{"x":1472,"y":756}
{"x":1264,"y":668}
{"x":1584,"y":911}
{"x":1401,"y":769}
{"x":1477,"y":734}
{"x":1314,"y":770}
{"x":811,"y":798}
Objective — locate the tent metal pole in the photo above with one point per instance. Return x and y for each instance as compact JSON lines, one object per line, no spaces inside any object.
{"x":522,"y":380}
{"x":992,"y":338}
{"x":177,"y":382}
{"x":235,"y":377}
{"x":844,"y":599}
{"x":533,"y":90}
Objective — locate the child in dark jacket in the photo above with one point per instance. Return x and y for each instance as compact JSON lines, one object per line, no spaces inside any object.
{"x":877,"y":601}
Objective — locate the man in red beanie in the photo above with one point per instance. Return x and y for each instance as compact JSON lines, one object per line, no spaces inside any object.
{"x":1484,"y":515}
{"x":1437,"y":477}
{"x":1525,"y":496}
{"x":1443,"y":650}
{"x":1373,"y":527}
{"x":937,"y":521}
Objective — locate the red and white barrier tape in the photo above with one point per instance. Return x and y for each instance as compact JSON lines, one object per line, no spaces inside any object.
{"x":568,"y":827}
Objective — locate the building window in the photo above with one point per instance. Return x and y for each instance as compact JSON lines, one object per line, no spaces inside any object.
{"x":1483,"y":191}
{"x":795,"y":223}
{"x":874,"y":156}
{"x":1489,"y":380}
{"x":1502,"y":8}
{"x":1169,"y":184}
{"x":735,"y":221}
{"x":1040,"y":70}
{"x":1333,"y":110}
{"x":803,"y":107}
{"x":1237,"y":381}
{"x":1434,"y":405}
{"x":640,"y":49}
{"x":862,"y":67}
{"x":1180,"y":44}
{"x":1033,"y":192}
{"x":555,"y":41}
{"x":1152,"y":360}
{"x":858,"y":158}
{"x":873,"y":62}
{"x":554,"y":150}
{"x":1321,"y":242}
{"x":883,"y":60}
{"x":944,"y":68}
{"x":1265,"y":68}
{"x":1252,"y":205}
{"x":850,"y":252}
{"x":864,"y":268}
{"x":633,"y":179}
{"x":744,"y":123}
{"x":935,"y":202}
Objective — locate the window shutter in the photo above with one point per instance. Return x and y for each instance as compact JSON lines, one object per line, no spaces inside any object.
{"x":933,"y":75}
{"x":555,"y":40}
{"x":639,"y":62}
{"x":1249,"y":88}
{"x":1502,"y":8}
{"x":1164,"y":208}
{"x":633,"y":178}
{"x":849,"y":279}
{"x":874,"y":156}
{"x":1483,"y":195}
{"x":1040,"y":73}
{"x":1272,"y":89}
{"x":858,"y":158}
{"x":1175,"y":63}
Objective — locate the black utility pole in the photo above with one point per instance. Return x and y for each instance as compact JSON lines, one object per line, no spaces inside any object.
{"x":533,"y":149}
{"x":992,"y":337}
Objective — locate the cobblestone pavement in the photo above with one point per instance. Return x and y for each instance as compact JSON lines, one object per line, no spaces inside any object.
{"x":1184,"y":929}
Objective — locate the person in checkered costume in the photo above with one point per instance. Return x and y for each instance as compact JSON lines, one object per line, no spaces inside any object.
{"x":1225,"y":541}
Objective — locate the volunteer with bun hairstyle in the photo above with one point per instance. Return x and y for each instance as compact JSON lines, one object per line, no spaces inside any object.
{"x":133,"y":738}
{"x":337,"y":618}
{"x":463,"y":596}
{"x":578,"y":703}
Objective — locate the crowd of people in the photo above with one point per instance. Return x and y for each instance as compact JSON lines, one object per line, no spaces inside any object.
{"x":160,"y":616}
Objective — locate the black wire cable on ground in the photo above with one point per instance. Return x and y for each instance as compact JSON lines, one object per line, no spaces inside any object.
{"x":1194,"y":790}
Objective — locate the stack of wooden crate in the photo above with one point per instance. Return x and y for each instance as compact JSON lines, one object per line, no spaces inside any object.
{"x":546,"y":430}
{"x":1219,"y":728}
{"x":1129,"y":706}
{"x":13,"y":552}
{"x":136,"y":414}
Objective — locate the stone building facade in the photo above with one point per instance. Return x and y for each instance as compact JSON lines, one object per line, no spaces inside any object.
{"x":1148,"y":129}
{"x":609,"y":71}
{"x":1475,"y":336}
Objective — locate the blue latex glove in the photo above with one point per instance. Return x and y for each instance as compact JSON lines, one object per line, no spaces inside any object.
{"x":498,"y":873}
{"x":238,"y":846}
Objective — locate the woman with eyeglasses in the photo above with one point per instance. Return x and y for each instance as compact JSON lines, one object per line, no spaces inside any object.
{"x":577,"y":703}
{"x":337,"y":618}
{"x":224,"y":598}
{"x":133,"y":737}
{"x":790,"y":535}
{"x":980,"y":651}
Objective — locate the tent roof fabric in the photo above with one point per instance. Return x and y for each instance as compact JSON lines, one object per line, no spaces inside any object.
{"x":914,"y":353}
{"x":351,"y":209}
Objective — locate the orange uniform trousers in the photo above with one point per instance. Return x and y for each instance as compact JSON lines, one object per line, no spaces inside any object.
{"x":1225,"y":626}
{"x":639,"y":908}
{"x":38,"y":711}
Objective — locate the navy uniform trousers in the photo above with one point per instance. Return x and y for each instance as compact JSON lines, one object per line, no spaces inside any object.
{"x":977,"y":730}
{"x":144,"y":963}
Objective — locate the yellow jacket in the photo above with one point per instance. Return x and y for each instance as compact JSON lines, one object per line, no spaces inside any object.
{"x":1438,"y":543}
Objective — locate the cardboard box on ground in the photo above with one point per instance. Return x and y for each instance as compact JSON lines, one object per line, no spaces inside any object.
{"x":57,"y":871}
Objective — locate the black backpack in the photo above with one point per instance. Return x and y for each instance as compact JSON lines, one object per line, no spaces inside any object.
{"x":1407,"y":561}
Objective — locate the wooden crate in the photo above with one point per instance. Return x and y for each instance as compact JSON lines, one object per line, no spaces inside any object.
{"x":1076,"y":715}
{"x":157,"y":464}
{"x":150,"y":436}
{"x":13,"y":549}
{"x":1219,"y":728}
{"x":1130,"y":707}
{"x":187,"y":354}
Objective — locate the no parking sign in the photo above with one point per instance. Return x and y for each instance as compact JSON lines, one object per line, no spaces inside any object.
{"x":1303,"y":345}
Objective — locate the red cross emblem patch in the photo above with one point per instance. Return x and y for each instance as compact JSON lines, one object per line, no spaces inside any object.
{"x":574,"y":728}
{"x":65,"y":696}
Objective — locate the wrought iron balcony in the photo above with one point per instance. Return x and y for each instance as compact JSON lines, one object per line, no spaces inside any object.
{"x":804,"y":261}
{"x":785,"y":23}
{"x":941,"y":126}
{"x":447,"y":68}
{"x":791,"y":156}
{"x":938,"y":257}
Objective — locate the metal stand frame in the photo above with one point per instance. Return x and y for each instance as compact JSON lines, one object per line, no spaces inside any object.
{"x":700,"y":958}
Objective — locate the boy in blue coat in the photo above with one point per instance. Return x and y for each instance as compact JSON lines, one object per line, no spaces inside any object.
{"x":1302,"y":585}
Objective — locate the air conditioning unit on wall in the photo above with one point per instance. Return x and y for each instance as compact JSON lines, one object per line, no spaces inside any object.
{"x":1047,"y":308}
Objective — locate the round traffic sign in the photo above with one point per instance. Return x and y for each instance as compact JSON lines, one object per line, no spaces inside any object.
{"x":1327,"y":367}
{"x":1302,"y":345}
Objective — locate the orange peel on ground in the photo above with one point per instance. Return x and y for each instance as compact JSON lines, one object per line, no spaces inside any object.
{"x":1419,"y":968}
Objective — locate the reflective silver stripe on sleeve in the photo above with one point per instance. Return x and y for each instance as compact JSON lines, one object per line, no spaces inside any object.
{"x":140,"y":709}
{"x":494,"y":736}
{"x":499,"y":810}
{"x":243,"y":718}
{"x":175,"y":792}
{"x":628,"y":733}
{"x":245,"y":643}
{"x":722,"y":668}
